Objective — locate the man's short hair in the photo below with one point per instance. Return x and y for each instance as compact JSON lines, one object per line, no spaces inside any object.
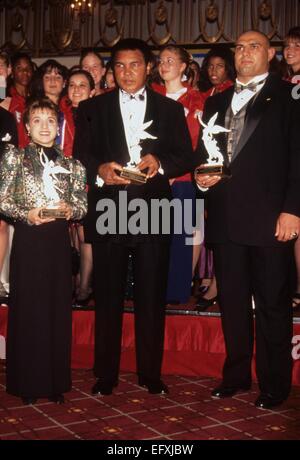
{"x":132,"y":44}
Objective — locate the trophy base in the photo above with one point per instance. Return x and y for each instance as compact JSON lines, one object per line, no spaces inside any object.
{"x":52,"y":213}
{"x":214,"y":170}
{"x":136,"y":177}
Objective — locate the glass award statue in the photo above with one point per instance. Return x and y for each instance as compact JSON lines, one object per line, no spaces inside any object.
{"x":50,"y":184}
{"x":215,"y":161}
{"x":131,"y":171}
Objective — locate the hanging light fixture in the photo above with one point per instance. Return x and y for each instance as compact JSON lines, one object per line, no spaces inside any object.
{"x":82,"y":9}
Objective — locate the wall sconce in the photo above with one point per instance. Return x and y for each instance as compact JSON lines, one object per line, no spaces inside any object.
{"x":82,"y":9}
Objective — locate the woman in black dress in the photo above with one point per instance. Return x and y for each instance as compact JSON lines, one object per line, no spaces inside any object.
{"x":40,"y":316}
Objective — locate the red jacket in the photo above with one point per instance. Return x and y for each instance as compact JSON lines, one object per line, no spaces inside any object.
{"x":68,"y":127}
{"x":193,"y":101}
{"x":217,"y":89}
{"x":17,"y":107}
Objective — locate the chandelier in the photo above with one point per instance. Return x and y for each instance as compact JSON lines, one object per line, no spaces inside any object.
{"x":82,"y":9}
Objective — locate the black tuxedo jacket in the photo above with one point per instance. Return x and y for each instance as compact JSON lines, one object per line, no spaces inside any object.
{"x":100,"y":138}
{"x":265,"y":171}
{"x":7,"y":126}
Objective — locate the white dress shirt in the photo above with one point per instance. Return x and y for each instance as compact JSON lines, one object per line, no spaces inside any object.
{"x":133,"y":109}
{"x":240,"y":99}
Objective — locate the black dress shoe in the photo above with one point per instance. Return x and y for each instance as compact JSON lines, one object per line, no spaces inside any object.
{"x":203,"y":304}
{"x":227,"y":392}
{"x":57,"y":399}
{"x":155,"y":388}
{"x":267,"y":401}
{"x":103,"y":388}
{"x":27,"y":401}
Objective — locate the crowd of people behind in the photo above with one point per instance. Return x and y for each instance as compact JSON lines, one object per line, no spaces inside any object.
{"x":54,"y":96}
{"x":188,"y":83}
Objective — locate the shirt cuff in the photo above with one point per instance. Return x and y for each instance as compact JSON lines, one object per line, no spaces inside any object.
{"x":99,"y":182}
{"x":160,"y":170}
{"x":203,"y":189}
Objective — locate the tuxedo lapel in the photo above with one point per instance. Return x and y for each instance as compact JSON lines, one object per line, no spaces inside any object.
{"x":255,"y":113}
{"x":116,"y":130}
{"x":152,"y":113}
{"x":223,"y":104}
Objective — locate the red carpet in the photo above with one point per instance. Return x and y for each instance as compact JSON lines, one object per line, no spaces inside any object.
{"x":131,"y":413}
{"x":193,"y":348}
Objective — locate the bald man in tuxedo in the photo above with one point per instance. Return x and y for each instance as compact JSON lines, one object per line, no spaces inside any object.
{"x":253,"y":220}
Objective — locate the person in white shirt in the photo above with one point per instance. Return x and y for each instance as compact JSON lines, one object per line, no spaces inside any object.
{"x":108,"y":130}
{"x":253,"y":220}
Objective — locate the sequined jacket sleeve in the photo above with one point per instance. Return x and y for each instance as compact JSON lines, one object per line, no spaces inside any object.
{"x":21,"y":184}
{"x":10,"y":180}
{"x":78,"y":195}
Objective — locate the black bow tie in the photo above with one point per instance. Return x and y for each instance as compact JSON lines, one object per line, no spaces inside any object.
{"x":251,"y":86}
{"x":129,"y":97}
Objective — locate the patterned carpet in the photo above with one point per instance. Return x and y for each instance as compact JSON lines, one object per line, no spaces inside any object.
{"x":187,"y":413}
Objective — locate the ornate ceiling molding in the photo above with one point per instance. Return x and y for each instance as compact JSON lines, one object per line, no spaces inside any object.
{"x":49,"y":27}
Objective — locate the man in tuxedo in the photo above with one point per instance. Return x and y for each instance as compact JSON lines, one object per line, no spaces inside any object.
{"x":105,"y":128}
{"x":253,"y":220}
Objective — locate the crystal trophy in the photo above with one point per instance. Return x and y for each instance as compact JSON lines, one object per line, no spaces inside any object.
{"x":50,"y":184}
{"x":215,"y":163}
{"x":131,"y":171}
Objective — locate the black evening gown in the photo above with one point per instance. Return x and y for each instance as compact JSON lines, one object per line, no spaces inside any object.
{"x":40,"y":312}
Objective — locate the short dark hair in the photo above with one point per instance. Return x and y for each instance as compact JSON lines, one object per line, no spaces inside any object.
{"x":132,"y":44}
{"x":41,"y":103}
{"x":18,"y":57}
{"x":37,"y":85}
{"x":52,"y":64}
{"x":224,"y":52}
{"x":87,"y":75}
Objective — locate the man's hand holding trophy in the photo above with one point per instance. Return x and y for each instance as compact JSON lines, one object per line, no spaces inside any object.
{"x":113,"y":173}
{"x":211,"y":172}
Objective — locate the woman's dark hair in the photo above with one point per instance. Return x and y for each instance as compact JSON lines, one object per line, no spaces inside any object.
{"x":193,"y":73}
{"x":132,"y":44}
{"x":37,"y":86}
{"x":88,"y":51}
{"x":294,"y":32}
{"x":43,"y":104}
{"x":285,"y":69}
{"x":108,"y":67}
{"x":87,"y":75}
{"x":52,"y":64}
{"x":220,"y":51}
{"x":15,"y":58}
